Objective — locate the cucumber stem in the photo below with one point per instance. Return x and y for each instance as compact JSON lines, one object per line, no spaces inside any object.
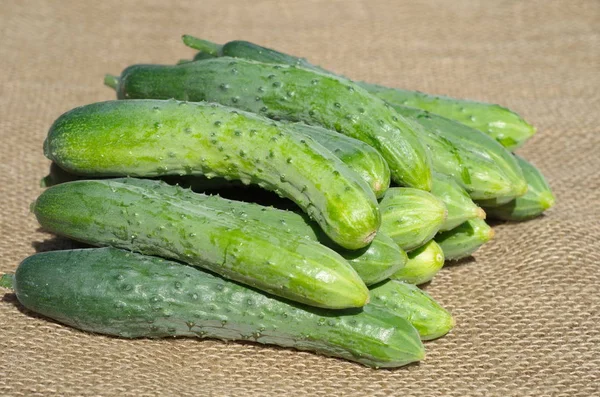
{"x":182,"y":61}
{"x":202,"y":45}
{"x":7,"y":280}
{"x":111,"y":81}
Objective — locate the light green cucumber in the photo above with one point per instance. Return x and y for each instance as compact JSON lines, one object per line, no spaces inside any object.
{"x":148,"y":138}
{"x":116,"y":292}
{"x":294,"y":94}
{"x":457,"y":201}
{"x":411,"y":217}
{"x":465,"y":239}
{"x":423,"y":264}
{"x":208,"y":234}
{"x":410,"y":302}
{"x":538,"y":198}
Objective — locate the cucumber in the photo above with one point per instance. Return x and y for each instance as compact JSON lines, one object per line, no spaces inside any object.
{"x":538,"y":198}
{"x":410,"y":302}
{"x":158,"y":138}
{"x":115,"y":292}
{"x":357,"y":155}
{"x":465,"y":239}
{"x":500,"y":123}
{"x":411,"y":217}
{"x":457,"y":201}
{"x":423,"y":264}
{"x":208,"y":233}
{"x":294,"y":94}
{"x":476,"y":142}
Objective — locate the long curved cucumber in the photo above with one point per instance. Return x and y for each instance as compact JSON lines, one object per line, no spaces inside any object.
{"x":155,"y":138}
{"x":294,"y":94}
{"x":115,"y":292}
{"x":538,"y":198}
{"x":208,"y":233}
{"x":465,"y":239}
{"x":457,"y":201}
{"x":500,"y":123}
{"x":423,"y":264}
{"x":410,"y":302}
{"x":411,"y":217}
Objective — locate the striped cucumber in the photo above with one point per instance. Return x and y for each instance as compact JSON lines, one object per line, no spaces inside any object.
{"x":457,"y":201}
{"x":208,"y":233}
{"x":538,"y":198}
{"x":411,"y":217}
{"x":158,"y":138}
{"x":115,"y":292}
{"x":410,"y":302}
{"x":294,"y":94}
{"x":465,"y":239}
{"x":423,"y":264}
{"x":502,"y":124}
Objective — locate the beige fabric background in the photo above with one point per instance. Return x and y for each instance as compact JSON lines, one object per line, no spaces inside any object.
{"x":527,"y":307}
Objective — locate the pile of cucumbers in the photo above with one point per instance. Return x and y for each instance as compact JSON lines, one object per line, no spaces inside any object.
{"x":250,"y":195}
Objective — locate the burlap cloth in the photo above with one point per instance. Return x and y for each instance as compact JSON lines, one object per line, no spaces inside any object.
{"x":527,"y":307}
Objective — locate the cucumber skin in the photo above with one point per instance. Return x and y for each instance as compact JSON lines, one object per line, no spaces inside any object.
{"x":423,"y":264}
{"x":212,"y":235}
{"x":293,"y":94}
{"x":157,"y":138}
{"x":411,"y":217}
{"x":538,"y":198}
{"x":457,"y":201}
{"x":410,"y":302}
{"x":465,"y":239}
{"x":115,"y":292}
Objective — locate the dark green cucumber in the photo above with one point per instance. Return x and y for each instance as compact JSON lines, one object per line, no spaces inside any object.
{"x":465,"y":239}
{"x":476,"y":142}
{"x":115,"y":292}
{"x":208,"y":233}
{"x":538,"y":198}
{"x":457,"y":201}
{"x":411,"y":217}
{"x":357,"y":155}
{"x":423,"y":264}
{"x":410,"y":302}
{"x":500,"y":123}
{"x":157,"y":138}
{"x":294,"y":94}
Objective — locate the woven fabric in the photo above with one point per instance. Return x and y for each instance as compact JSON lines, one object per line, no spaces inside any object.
{"x":527,"y":307}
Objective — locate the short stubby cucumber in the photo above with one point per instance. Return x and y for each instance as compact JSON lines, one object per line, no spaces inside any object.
{"x":374,"y":263}
{"x":294,"y":94}
{"x":538,"y":198}
{"x":423,"y":264}
{"x":157,"y":138}
{"x":457,"y":201}
{"x":210,"y":234}
{"x":411,"y":217}
{"x":473,"y":141}
{"x":410,"y":302}
{"x":465,"y":239}
{"x":357,"y":155}
{"x":116,"y":292}
{"x":500,"y":123}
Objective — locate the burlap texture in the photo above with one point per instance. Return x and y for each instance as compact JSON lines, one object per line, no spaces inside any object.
{"x":527,"y":307}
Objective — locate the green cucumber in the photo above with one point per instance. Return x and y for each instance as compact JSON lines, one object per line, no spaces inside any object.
{"x":423,"y":264}
{"x":208,"y":233}
{"x":157,"y":138}
{"x":294,"y":94}
{"x":411,"y":217}
{"x":465,"y":239}
{"x":502,"y":124}
{"x":410,"y":302}
{"x":115,"y":292}
{"x":457,"y":201}
{"x":538,"y":198}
